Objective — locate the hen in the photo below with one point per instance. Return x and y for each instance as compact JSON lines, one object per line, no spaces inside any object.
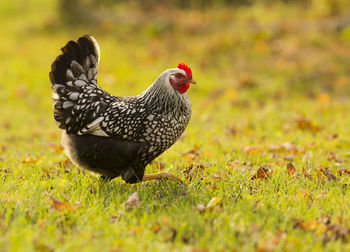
{"x":110,"y":135}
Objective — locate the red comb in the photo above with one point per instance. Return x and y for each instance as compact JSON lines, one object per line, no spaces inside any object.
{"x":186,"y":68}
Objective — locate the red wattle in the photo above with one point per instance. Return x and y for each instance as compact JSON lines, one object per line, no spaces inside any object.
{"x":182,"y":88}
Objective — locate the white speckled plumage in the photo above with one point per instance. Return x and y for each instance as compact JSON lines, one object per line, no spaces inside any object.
{"x":152,"y":121}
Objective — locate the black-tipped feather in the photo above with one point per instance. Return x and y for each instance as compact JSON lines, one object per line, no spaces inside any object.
{"x":78,"y":100}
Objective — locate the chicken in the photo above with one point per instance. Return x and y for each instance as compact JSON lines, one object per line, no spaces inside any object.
{"x":110,"y":135}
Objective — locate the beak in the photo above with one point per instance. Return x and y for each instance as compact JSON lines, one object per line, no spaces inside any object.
{"x":192,"y":81}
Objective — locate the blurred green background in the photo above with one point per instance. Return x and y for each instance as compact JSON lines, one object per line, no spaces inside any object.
{"x":244,"y":54}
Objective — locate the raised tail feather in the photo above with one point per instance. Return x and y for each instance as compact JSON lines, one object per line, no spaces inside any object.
{"x":78,"y":100}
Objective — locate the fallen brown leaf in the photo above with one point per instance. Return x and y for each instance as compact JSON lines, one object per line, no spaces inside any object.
{"x":3,"y":148}
{"x":193,"y":154}
{"x":324,"y":226}
{"x":30,"y":159}
{"x":246,"y":80}
{"x":324,"y":172}
{"x":194,"y":170}
{"x":156,"y":228}
{"x":306,"y":174}
{"x":290,"y":169}
{"x":309,"y":224}
{"x":194,"y":151}
{"x":332,"y":136}
{"x":240,"y":166}
{"x":6,"y":170}
{"x":253,"y":149}
{"x":64,"y":205}
{"x":306,"y":124}
{"x":185,"y":239}
{"x":333,"y":157}
{"x":289,"y":158}
{"x":261,"y":173}
{"x":133,"y":201}
{"x":56,"y":147}
{"x":274,"y":147}
{"x":343,"y":171}
{"x":234,"y":164}
{"x":305,"y":193}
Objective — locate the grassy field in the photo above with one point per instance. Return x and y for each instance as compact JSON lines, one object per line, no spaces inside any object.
{"x":273,"y":92}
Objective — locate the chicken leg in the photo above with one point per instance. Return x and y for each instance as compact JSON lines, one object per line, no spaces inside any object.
{"x":160,"y":175}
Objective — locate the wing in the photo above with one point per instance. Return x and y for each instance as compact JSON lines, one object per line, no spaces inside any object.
{"x":125,"y":119}
{"x":79,"y":102}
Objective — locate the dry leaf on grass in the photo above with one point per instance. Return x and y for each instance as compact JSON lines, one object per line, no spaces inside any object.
{"x":284,"y":147}
{"x":156,"y":228}
{"x":56,"y":147}
{"x":289,"y":158}
{"x":290,"y":169}
{"x":253,"y":149}
{"x":324,"y":226}
{"x":195,"y":170}
{"x":133,"y":201}
{"x":30,"y":160}
{"x":305,"y":194}
{"x":333,"y":157}
{"x":192,"y":154}
{"x":6,"y":170}
{"x":342,"y":172}
{"x":306,"y":124}
{"x":323,"y":173}
{"x":262,"y":173}
{"x":332,"y":136}
{"x":309,"y":224}
{"x":64,"y":205}
{"x":234,"y":164}
{"x":306,"y":174}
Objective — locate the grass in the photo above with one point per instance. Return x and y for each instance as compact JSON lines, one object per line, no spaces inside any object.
{"x":272,"y":89}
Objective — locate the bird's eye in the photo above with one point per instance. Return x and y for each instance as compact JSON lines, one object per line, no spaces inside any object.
{"x":178,"y":75}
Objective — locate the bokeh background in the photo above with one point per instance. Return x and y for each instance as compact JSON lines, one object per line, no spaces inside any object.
{"x":255,"y":61}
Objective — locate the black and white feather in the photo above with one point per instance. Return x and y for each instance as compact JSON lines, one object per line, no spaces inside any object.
{"x":113,"y":136}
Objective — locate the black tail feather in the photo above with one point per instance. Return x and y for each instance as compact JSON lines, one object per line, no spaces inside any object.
{"x":72,"y":74}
